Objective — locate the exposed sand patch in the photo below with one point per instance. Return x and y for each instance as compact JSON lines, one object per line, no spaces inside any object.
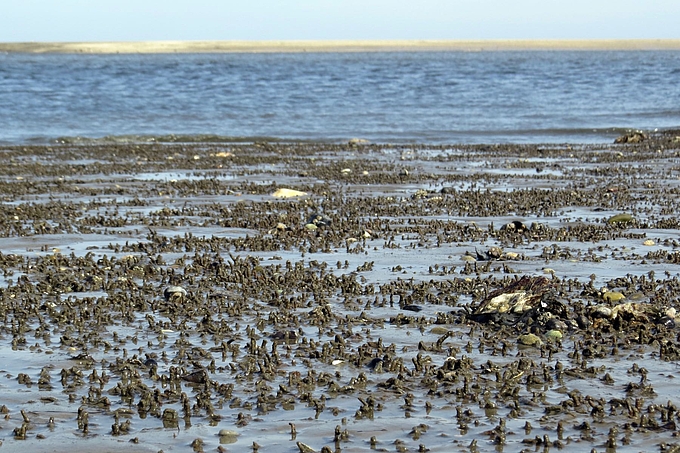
{"x":337,"y":46}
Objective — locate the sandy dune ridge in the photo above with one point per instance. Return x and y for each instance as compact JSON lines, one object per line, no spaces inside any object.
{"x":336,"y":46}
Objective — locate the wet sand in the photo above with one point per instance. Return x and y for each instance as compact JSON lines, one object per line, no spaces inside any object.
{"x":337,"y":46}
{"x":404,"y":298}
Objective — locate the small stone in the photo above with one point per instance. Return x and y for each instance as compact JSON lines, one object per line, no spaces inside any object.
{"x":439,"y":330}
{"x":288,"y":193}
{"x":613,"y":296}
{"x":304,"y":448}
{"x":529,"y":339}
{"x":227,"y":436}
{"x":554,"y":335}
{"x":620,"y":218}
{"x":601,"y":312}
{"x":174,"y":293}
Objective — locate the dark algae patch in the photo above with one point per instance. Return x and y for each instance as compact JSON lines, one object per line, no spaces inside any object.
{"x":391,"y":298}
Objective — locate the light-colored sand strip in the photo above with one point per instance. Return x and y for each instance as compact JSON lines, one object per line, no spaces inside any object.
{"x":336,"y":46}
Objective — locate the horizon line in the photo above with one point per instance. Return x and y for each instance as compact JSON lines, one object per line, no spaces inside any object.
{"x":246,"y":46}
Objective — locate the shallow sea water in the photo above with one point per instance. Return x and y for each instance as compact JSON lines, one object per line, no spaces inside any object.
{"x":391,"y":231}
{"x":386,"y":97}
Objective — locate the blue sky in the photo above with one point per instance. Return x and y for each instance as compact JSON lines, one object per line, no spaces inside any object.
{"x":144,"y":20}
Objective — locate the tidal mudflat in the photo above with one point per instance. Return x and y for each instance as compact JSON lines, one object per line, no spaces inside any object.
{"x":326,"y":297}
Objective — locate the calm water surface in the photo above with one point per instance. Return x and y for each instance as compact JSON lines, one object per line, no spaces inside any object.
{"x":430,"y":97}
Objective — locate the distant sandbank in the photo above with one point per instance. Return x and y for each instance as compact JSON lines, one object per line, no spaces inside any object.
{"x":336,"y":46}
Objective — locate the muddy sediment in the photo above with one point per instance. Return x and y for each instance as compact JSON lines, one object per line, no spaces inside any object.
{"x":405,"y":298}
